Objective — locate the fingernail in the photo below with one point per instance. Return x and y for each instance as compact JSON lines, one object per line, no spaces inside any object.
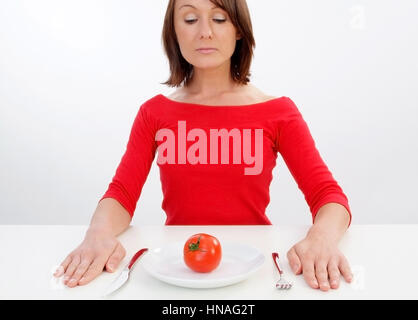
{"x":315,"y":283}
{"x":82,"y":279}
{"x":66,"y":278}
{"x":58,"y":271}
{"x":110,"y":267}
{"x":72,"y":281}
{"x":295,"y":268}
{"x":334,"y":282}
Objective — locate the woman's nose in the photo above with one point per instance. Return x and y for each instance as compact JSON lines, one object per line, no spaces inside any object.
{"x":205,"y":29}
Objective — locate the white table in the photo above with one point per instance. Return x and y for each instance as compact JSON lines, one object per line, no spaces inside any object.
{"x":383,"y":259}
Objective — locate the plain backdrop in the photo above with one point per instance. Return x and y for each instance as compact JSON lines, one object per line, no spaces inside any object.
{"x":74,"y":73}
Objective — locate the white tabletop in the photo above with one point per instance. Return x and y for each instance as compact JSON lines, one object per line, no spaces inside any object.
{"x":383,"y":259}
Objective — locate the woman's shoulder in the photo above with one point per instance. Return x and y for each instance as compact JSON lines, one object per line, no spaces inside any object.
{"x":256,"y":95}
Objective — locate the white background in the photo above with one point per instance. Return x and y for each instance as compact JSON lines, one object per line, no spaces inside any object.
{"x":74,"y":73}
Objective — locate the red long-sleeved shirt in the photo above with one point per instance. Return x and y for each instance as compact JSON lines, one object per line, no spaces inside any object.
{"x":221,"y":193}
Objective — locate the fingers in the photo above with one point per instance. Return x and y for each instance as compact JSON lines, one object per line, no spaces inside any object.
{"x":309,"y":272}
{"x":115,"y":258}
{"x":325,"y":272}
{"x":321,"y":268}
{"x":345,"y":269}
{"x":333,"y":273}
{"x":294,"y":261}
{"x":75,"y":261}
{"x":306,"y":265}
{"x":81,"y":269}
{"x":321,"y":273}
{"x":99,"y":263}
{"x":95,"y":268}
{"x":63,"y":266}
{"x":89,"y":259}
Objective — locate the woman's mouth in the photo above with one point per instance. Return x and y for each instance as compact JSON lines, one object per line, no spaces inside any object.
{"x":206,"y":50}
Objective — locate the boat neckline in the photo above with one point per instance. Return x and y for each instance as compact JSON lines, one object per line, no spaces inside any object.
{"x":220,"y":106}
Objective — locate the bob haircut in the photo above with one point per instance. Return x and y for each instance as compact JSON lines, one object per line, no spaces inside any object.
{"x":182,"y":71}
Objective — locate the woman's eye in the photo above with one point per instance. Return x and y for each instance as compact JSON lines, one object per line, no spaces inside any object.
{"x":193,"y":20}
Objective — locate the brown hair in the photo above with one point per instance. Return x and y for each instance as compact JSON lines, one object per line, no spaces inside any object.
{"x":181,"y":70}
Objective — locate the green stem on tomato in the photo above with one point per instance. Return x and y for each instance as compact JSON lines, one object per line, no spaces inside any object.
{"x":194,"y":246}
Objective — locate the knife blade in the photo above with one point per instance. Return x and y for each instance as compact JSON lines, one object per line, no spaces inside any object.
{"x":123,"y":277}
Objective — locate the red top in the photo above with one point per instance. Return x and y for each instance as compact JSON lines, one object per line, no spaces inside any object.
{"x":200,"y":184}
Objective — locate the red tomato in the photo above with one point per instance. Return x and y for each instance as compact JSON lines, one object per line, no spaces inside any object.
{"x":202,"y":252}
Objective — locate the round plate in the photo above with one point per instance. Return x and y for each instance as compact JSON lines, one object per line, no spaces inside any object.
{"x":238,"y":262}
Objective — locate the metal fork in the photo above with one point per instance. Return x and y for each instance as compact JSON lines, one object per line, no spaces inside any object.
{"x":282,"y":283}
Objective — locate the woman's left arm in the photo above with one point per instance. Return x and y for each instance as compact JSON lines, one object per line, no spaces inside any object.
{"x":317,"y":256}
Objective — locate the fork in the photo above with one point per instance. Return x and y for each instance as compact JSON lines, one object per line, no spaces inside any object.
{"x":282,"y":283}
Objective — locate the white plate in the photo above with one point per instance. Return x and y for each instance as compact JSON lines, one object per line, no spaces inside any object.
{"x":238,"y":262}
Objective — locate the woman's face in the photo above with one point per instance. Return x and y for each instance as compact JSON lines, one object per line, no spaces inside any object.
{"x":200,"y":24}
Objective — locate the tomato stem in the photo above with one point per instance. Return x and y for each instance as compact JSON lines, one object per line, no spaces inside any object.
{"x":194,"y":246}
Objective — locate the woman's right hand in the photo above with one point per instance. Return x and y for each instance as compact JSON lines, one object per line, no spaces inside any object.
{"x":98,"y":251}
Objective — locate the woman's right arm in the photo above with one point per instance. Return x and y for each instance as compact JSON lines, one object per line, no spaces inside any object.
{"x":110,"y":217}
{"x":100,"y":248}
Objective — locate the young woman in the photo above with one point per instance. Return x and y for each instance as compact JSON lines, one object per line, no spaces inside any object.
{"x":209,"y":45}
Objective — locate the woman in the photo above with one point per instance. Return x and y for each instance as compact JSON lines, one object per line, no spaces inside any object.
{"x":214,"y":94}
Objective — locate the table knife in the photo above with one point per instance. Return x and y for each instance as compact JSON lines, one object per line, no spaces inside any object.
{"x":123,"y":277}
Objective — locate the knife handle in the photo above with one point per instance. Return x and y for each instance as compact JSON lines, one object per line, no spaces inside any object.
{"x":136,"y":256}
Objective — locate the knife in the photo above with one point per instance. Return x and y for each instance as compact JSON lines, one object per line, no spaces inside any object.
{"x":124,"y":275}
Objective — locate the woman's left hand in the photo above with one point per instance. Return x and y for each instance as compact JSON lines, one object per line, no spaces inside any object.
{"x":321,"y":262}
